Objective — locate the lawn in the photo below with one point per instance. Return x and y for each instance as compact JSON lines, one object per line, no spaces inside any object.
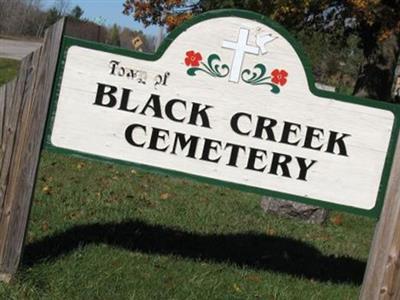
{"x":102,"y":231}
{"x":8,"y":69}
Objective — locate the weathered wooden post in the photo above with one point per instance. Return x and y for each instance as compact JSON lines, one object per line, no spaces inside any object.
{"x":23,"y":111}
{"x":382,"y":276}
{"x":24,"y":105}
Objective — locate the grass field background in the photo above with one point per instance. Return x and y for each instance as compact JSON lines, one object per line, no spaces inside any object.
{"x":102,"y":231}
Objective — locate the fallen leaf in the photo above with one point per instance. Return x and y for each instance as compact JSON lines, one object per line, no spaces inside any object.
{"x":165,"y":196}
{"x":323,"y":238}
{"x":115,"y":263}
{"x":80,"y":165}
{"x":45,"y":226}
{"x":271,"y":231}
{"x":236,"y":288}
{"x":46,"y":190}
{"x":253,"y":278}
{"x":337,"y":219}
{"x":31,"y":237}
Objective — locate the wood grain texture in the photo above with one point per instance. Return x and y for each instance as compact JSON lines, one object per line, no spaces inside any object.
{"x":7,"y":92}
{"x":24,"y":105}
{"x":382,"y":276}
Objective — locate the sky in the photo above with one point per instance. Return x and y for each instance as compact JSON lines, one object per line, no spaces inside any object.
{"x":109,"y":10}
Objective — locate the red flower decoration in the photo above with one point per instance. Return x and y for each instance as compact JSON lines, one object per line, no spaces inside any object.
{"x":279,"y":77}
{"x":193,"y":58}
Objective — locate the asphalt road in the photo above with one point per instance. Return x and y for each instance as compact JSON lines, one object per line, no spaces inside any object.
{"x":16,"y":49}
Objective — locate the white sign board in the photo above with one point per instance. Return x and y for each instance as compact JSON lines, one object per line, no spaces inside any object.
{"x":230,"y":100}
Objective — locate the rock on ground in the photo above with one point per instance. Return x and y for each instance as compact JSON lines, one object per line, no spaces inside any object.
{"x":308,"y":213}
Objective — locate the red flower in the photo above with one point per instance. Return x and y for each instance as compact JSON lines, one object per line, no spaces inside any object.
{"x":193,"y":58}
{"x":279,"y":77}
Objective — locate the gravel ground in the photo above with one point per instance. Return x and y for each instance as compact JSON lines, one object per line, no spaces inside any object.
{"x":16,"y":49}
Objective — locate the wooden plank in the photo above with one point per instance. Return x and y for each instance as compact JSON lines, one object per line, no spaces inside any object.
{"x":24,"y":128}
{"x":9,"y":123}
{"x":3,"y":90}
{"x":7,"y":92}
{"x":22,"y":100}
{"x":381,"y":279}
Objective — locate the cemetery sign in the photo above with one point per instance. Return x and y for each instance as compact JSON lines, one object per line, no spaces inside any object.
{"x":229,"y":98}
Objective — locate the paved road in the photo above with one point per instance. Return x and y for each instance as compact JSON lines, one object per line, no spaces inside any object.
{"x":16,"y":49}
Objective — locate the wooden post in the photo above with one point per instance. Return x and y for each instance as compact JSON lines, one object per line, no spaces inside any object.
{"x":23,"y":112}
{"x":382,"y":276}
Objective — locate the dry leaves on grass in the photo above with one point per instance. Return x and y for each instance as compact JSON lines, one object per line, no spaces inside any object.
{"x":236,"y":287}
{"x":165,"y":196}
{"x":337,"y":219}
{"x":46,"y":190}
{"x":270,"y":231}
{"x":45,"y":226}
{"x":253,"y":278}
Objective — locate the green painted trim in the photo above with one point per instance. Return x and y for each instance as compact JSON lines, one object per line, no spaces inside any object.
{"x":395,"y":109}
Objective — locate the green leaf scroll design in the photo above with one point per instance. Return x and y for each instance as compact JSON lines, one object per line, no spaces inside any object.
{"x":212,"y":68}
{"x":258,"y":77}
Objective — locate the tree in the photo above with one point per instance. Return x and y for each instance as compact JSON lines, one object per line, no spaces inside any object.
{"x":161,"y":12}
{"x":77,"y":12}
{"x":62,"y":6}
{"x":56,"y":12}
{"x":375,"y":22}
{"x":114,"y":33}
{"x":22,"y":17}
{"x":378,"y":26}
{"x":52,"y":16}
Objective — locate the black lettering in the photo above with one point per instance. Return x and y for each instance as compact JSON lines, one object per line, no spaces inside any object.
{"x":129,"y":135}
{"x":121,"y":71}
{"x":169,"y":110}
{"x":288,"y":129}
{"x":234,"y":153}
{"x":125,"y":101}
{"x":208,"y":146}
{"x":304,"y":167}
{"x":311,"y":134}
{"x":101,"y":92}
{"x":154,"y":104}
{"x":265,"y":125}
{"x":131,"y":74}
{"x":202,"y":113}
{"x":254,"y":155}
{"x":335,"y":140}
{"x":156,"y":135}
{"x":282,"y":164}
{"x":235,"y":123}
{"x":113,"y":65}
{"x":180,"y":139}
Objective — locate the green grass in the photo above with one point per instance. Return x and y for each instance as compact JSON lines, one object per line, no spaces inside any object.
{"x":100,"y":231}
{"x":8,"y":70}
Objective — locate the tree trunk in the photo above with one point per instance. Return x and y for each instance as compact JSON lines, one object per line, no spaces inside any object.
{"x":376,"y":76}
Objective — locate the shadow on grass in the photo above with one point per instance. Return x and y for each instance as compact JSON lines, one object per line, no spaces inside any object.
{"x":249,"y":250}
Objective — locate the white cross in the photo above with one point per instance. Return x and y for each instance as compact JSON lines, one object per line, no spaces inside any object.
{"x":241,"y":48}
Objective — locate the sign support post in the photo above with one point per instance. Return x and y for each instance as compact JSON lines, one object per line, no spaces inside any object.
{"x":23,"y":112}
{"x":382,"y":275}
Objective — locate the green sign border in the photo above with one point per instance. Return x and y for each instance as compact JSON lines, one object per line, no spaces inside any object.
{"x":395,"y":109}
